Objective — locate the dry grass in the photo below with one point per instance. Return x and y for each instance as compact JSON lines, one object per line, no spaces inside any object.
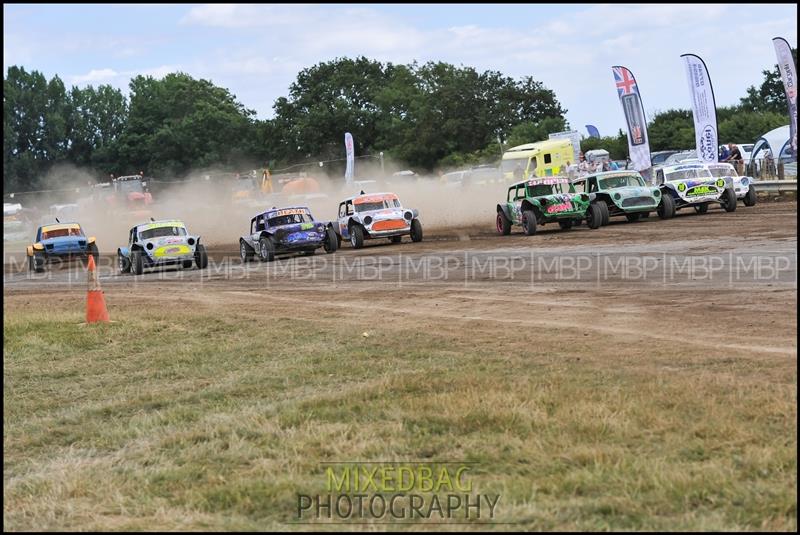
{"x":215,"y":418}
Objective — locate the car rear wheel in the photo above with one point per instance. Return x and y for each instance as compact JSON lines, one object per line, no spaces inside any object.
{"x":606,"y":216}
{"x":666,"y":208}
{"x":124,"y":263}
{"x":701,"y":208}
{"x":245,"y":252}
{"x":416,"y":230}
{"x":633,"y":217}
{"x":93,"y":251}
{"x":200,"y":257}
{"x":266,"y":249}
{"x":503,"y":224}
{"x":594,"y":216}
{"x":36,"y":263}
{"x":331,"y":241}
{"x":396,"y":239}
{"x":750,"y":197}
{"x":729,"y":200}
{"x":529,"y":222}
{"x":565,"y":224}
{"x":137,"y":263}
{"x":357,"y":236}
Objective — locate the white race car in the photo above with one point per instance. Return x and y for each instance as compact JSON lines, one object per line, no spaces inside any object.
{"x":376,"y":215}
{"x":692,"y":184}
{"x":742,"y":185}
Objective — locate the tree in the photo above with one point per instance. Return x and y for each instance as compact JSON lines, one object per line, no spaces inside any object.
{"x":771,"y":96}
{"x":178,"y":124}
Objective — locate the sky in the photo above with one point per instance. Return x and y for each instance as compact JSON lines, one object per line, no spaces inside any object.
{"x":256,"y":51}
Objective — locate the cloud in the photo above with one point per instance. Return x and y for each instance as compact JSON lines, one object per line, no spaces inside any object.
{"x":118,"y":79}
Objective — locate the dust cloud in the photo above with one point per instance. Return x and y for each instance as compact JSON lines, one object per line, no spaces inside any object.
{"x":219,"y":207}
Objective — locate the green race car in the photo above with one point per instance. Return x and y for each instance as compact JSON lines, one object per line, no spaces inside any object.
{"x":538,"y":201}
{"x":620,"y":193}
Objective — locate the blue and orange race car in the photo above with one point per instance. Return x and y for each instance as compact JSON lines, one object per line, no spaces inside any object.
{"x":59,"y":241}
{"x":286,"y":230}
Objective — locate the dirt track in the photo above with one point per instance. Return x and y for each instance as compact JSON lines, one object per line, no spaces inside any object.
{"x":732,"y":276}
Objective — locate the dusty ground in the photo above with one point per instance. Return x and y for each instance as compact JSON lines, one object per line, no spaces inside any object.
{"x":706,"y":300}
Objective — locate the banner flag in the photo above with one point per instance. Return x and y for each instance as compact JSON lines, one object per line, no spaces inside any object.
{"x":704,"y":109}
{"x":593,"y":131}
{"x":348,"y":145}
{"x":628,"y":92}
{"x":789,"y":74}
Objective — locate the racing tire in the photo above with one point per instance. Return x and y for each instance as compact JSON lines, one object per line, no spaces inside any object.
{"x":594,"y":216}
{"x":93,"y":251}
{"x":123,"y":263}
{"x":529,"y":222}
{"x":416,"y":231}
{"x":137,"y":263}
{"x":396,"y":239}
{"x":503,"y":224}
{"x":36,"y":263}
{"x":604,"y":210}
{"x":266,"y":249}
{"x":565,"y":224}
{"x":750,"y":197}
{"x":666,"y":208}
{"x":644,"y":215}
{"x":729,"y":200}
{"x":331,"y":243}
{"x":308,"y":253}
{"x":245,"y":252}
{"x":577,"y":222}
{"x":186,"y":264}
{"x":357,"y":236}
{"x":701,"y":208}
{"x":633,"y":218}
{"x":200,"y":257}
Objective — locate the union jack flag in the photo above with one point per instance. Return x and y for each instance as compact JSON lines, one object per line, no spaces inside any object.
{"x":626,"y":85}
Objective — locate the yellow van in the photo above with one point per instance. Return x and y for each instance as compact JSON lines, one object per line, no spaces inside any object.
{"x":544,"y":158}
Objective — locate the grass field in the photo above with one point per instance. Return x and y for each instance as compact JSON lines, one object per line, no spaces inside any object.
{"x":215,"y":416}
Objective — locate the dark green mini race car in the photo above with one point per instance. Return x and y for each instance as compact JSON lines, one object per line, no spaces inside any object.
{"x":536,"y":202}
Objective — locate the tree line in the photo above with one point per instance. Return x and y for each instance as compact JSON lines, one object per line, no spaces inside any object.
{"x":428,"y":116}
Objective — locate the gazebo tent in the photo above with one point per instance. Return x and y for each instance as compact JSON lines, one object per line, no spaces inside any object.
{"x":777,"y":141}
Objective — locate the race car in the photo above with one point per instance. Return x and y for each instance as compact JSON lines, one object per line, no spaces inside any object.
{"x":286,"y":230}
{"x":691,"y":184}
{"x":742,"y":185}
{"x":620,"y":193}
{"x":376,"y":215}
{"x":59,"y":241}
{"x":538,"y":201}
{"x":161,"y":244}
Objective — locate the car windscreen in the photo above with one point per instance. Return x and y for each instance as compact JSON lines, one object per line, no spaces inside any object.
{"x":289,"y":219}
{"x":369,"y":206}
{"x":723,"y":171}
{"x":683,"y":174}
{"x":160,"y":232}
{"x":622,"y":181}
{"x":543,"y":189}
{"x":61,"y":232}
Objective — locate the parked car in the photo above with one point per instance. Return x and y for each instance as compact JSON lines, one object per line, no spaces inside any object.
{"x":59,"y":241}
{"x":286,"y":230}
{"x":659,"y":157}
{"x":536,"y":202}
{"x":160,"y":244}
{"x":376,"y":215}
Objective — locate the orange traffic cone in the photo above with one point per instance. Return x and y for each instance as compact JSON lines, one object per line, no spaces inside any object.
{"x":95,"y":302}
